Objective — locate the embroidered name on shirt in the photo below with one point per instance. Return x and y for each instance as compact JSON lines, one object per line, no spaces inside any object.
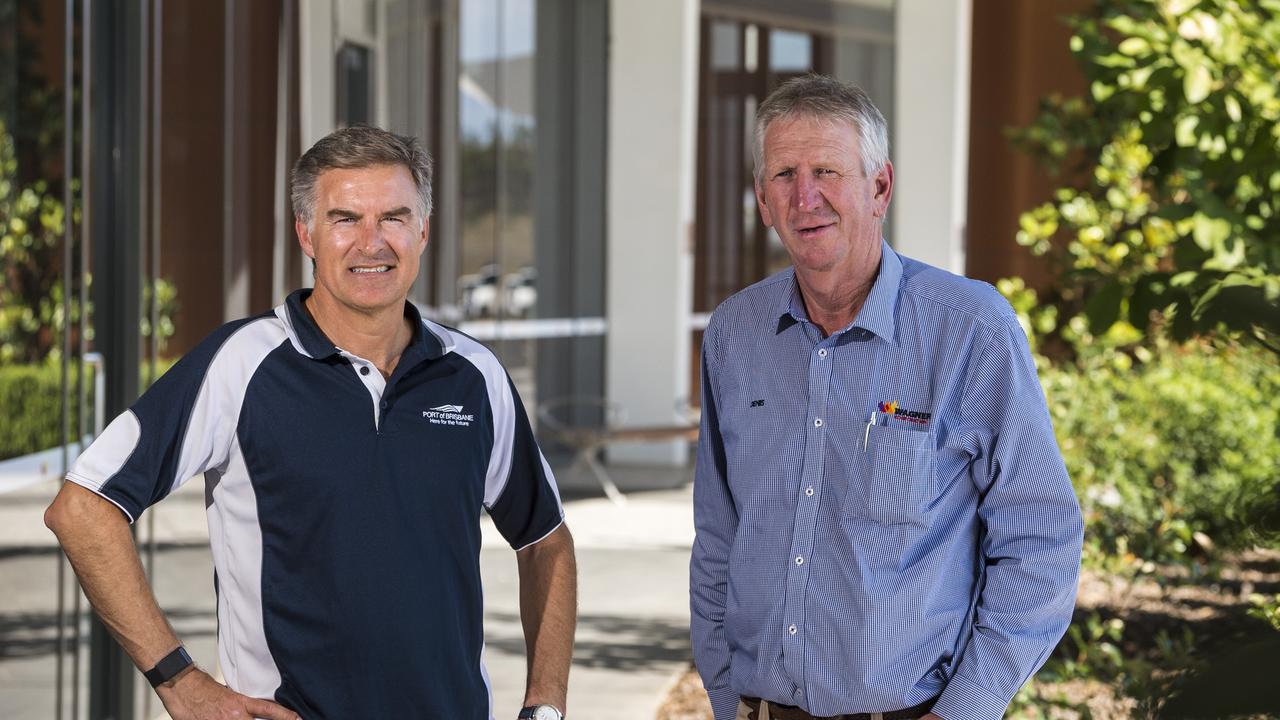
{"x":448,"y":415}
{"x":911,"y":416}
{"x":757,"y":403}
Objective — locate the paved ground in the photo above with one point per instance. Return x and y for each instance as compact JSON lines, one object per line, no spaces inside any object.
{"x":633,"y":611}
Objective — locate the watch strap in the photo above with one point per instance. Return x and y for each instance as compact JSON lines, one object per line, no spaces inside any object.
{"x":169,"y":667}
{"x":528,"y":712}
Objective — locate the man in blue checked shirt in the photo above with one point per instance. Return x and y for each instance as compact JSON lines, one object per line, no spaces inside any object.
{"x":885,"y":528}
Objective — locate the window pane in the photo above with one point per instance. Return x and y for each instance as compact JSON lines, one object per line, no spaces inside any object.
{"x":790,"y":51}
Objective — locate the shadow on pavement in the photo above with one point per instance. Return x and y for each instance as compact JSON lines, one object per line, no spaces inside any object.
{"x":624,"y":644}
{"x":34,"y":634}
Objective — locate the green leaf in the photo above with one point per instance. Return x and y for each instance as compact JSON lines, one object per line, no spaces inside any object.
{"x":1178,"y":7}
{"x":1233,"y":108}
{"x":1185,"y":131}
{"x":1197,"y":83}
{"x":1103,"y":308}
{"x":1210,"y":232}
{"x":1134,"y":46}
{"x":1227,"y":258}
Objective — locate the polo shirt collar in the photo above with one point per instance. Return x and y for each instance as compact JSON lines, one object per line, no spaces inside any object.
{"x":878,"y":311}
{"x":423,"y":345}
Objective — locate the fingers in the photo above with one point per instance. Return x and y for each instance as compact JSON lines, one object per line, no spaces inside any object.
{"x":269,"y":711}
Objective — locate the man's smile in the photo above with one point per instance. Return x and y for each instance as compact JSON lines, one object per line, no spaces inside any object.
{"x":808,"y":231}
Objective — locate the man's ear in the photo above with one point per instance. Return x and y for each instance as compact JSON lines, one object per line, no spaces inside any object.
{"x":765,"y":215}
{"x":304,"y":238}
{"x":426,"y":233}
{"x":884,"y":189}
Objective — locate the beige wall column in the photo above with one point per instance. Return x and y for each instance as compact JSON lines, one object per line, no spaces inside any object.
{"x":653,"y":70}
{"x":931,"y":155}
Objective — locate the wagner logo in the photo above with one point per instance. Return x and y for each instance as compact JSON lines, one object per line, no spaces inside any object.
{"x":448,"y":415}
{"x":912,"y":416}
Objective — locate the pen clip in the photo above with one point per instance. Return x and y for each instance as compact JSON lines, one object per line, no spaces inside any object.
{"x":867,"y":435}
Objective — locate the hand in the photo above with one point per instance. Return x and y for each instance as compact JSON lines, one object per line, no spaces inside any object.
{"x":195,"y":695}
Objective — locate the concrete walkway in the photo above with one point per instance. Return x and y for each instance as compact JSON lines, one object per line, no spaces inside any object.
{"x":632,"y":640}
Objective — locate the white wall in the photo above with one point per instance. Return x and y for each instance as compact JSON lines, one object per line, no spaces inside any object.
{"x":931,"y":153}
{"x":653,"y":66}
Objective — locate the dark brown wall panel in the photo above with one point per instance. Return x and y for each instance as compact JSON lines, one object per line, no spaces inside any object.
{"x":1020,"y":54}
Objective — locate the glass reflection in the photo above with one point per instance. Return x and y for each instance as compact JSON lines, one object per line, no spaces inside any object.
{"x":496,"y":277}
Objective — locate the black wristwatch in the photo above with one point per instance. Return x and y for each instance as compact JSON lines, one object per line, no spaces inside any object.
{"x":169,"y":667}
{"x":541,"y":712}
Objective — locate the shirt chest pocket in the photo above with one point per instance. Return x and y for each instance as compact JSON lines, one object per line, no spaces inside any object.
{"x":896,"y":477}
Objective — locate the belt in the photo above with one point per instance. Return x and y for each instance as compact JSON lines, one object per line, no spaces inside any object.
{"x":789,"y":712}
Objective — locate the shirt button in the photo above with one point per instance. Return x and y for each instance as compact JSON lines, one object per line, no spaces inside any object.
{"x":808,"y":492}
{"x":817,"y":422}
{"x":364,"y":369}
{"x":799,"y":560}
{"x":384,"y":404}
{"x":792,"y":629}
{"x":822,"y":352}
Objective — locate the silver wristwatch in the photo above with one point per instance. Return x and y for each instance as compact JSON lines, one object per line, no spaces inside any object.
{"x":541,"y":712}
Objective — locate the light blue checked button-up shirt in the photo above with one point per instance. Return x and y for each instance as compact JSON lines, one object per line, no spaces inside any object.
{"x":882,"y":515}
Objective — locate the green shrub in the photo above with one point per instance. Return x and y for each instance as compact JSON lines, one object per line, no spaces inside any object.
{"x":31,"y":398}
{"x":1173,"y":457}
{"x":31,"y":401}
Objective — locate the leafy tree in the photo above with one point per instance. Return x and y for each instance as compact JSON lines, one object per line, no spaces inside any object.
{"x":1170,"y":211}
{"x":31,"y":223}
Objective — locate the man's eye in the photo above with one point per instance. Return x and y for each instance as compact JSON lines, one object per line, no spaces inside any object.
{"x":393,"y":219}
{"x":824,"y":172}
{"x":785,"y":174}
{"x":345,"y":221}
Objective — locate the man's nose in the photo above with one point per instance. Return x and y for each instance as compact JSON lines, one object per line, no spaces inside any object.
{"x":371,"y":237}
{"x":808,"y":196}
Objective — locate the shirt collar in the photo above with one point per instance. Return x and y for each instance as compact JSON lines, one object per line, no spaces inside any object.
{"x":878,"y":310}
{"x":423,"y":345}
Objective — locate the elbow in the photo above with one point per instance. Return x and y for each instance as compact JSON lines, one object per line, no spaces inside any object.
{"x":75,"y":507}
{"x":55,"y":516}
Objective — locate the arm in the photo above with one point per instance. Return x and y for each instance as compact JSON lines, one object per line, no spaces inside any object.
{"x":549,"y":613}
{"x":1032,"y":531}
{"x":716,"y":522}
{"x":95,"y":537}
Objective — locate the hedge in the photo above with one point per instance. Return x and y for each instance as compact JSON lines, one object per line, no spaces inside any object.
{"x":30,"y":403}
{"x":1176,"y":457}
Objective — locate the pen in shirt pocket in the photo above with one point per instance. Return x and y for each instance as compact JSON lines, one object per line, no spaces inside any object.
{"x":867,"y":435}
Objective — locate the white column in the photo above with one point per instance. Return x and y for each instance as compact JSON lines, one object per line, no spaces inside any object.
{"x":931,"y":153}
{"x":316,"y":61}
{"x":315,"y":71}
{"x":653,"y":71}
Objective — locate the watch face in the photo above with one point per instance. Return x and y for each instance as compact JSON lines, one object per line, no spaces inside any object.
{"x":546,"y":712}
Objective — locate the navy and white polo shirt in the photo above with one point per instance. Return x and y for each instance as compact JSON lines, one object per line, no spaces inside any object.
{"x":343,"y":507}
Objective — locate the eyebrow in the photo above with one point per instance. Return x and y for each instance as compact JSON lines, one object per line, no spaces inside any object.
{"x":402,"y":210}
{"x":341,"y":214}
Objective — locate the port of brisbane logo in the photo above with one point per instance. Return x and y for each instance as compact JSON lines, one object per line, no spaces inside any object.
{"x":448,"y":415}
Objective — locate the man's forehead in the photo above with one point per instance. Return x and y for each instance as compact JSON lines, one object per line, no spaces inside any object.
{"x":367,"y":173}
{"x":811,"y":135}
{"x":391,"y":183}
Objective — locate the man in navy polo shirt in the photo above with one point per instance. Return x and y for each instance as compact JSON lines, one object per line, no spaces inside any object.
{"x":348,"y":446}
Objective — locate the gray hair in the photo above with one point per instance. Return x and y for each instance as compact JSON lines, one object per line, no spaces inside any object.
{"x":355,"y":147}
{"x":825,"y":98}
